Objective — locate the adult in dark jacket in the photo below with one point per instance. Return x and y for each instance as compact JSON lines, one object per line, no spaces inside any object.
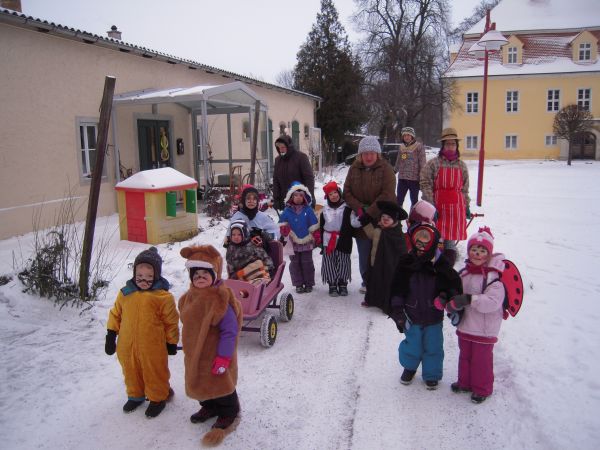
{"x":369,"y":179}
{"x":291,"y":165}
{"x":421,"y":276}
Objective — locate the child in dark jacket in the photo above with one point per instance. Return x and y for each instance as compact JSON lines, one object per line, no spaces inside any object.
{"x":145,"y":318}
{"x":336,"y":231}
{"x":388,"y":246}
{"x":422,"y":276}
{"x":245,"y":260}
{"x":298,"y":221}
{"x":212,"y":319}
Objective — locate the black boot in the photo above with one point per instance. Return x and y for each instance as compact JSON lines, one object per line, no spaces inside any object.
{"x":203,"y":415}
{"x":333,"y":290}
{"x":155,"y":408}
{"x":407,"y":376}
{"x":132,"y":405}
{"x":343,"y":289}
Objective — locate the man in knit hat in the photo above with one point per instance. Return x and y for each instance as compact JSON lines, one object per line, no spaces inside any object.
{"x":410,"y":161}
{"x":145,"y":318}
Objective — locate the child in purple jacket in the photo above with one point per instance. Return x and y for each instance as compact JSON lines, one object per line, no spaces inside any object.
{"x":482,"y":299}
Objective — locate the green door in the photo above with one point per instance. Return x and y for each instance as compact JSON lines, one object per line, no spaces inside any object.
{"x":154,"y":144}
{"x":296,"y":134}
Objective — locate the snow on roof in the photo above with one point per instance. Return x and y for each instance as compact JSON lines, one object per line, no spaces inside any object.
{"x":528,"y":15}
{"x":163,"y":179}
{"x":546,"y":53}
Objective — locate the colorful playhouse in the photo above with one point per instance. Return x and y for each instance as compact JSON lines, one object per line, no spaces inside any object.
{"x":157,"y":206}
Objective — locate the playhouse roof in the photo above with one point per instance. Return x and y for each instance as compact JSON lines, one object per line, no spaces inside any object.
{"x":157,"y":180}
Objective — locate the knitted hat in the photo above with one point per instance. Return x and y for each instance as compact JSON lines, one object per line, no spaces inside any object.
{"x":203,"y":257}
{"x":422,"y":212}
{"x":369,"y":144}
{"x":248,"y":189}
{"x":151,"y":257}
{"x":391,"y":209}
{"x":239,"y":225}
{"x":330,"y":187}
{"x":408,"y":130}
{"x":449,"y":133}
{"x":483,"y":237}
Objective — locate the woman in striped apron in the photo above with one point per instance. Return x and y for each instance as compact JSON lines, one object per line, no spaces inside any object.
{"x":445,"y":184}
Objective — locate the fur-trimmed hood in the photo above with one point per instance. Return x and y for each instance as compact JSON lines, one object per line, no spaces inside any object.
{"x":297,"y":186}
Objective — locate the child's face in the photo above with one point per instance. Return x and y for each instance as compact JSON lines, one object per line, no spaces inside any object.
{"x":422,"y":242}
{"x":144,"y":276}
{"x":298,"y":198}
{"x":251,"y":201}
{"x":478,"y":255}
{"x":406,"y":138}
{"x":334,"y":196}
{"x":202,"y":278}
{"x":386,"y":221}
{"x":236,"y":236}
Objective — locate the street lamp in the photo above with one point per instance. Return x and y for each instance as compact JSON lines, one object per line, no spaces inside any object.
{"x":490,"y":41}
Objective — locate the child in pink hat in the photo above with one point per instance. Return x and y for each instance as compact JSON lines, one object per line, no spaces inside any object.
{"x":481,"y":306}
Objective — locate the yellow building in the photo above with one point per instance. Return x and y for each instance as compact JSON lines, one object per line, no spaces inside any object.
{"x":550,"y":61}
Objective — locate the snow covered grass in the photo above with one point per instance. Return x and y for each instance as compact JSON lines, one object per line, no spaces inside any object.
{"x":332,"y":379}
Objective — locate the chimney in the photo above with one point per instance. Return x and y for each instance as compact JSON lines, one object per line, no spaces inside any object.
{"x":15,"y":5}
{"x":114,"y":33}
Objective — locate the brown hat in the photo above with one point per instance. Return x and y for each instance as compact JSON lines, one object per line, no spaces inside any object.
{"x":203,"y":257}
{"x":449,"y":133}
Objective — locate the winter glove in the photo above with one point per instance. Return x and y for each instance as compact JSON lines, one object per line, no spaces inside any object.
{"x":365,"y":219}
{"x":317,"y":237}
{"x":398,"y":316}
{"x":171,"y":349}
{"x":282,"y":240}
{"x":469,"y":213}
{"x":257,"y":240}
{"x":285,"y":230}
{"x":440,"y":301}
{"x":458,"y":302}
{"x":110,"y":347}
{"x":220,"y":365}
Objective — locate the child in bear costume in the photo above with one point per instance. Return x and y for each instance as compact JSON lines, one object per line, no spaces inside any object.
{"x":212,"y":319}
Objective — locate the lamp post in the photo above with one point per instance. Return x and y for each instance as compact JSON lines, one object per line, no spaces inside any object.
{"x":490,"y":41}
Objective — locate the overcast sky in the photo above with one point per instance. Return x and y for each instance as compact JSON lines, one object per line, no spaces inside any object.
{"x":258,"y":38}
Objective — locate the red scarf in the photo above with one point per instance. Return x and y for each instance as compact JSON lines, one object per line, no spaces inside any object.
{"x":332,"y":242}
{"x":479,"y":270}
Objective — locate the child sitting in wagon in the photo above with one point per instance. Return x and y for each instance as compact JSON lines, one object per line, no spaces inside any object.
{"x":245,"y":260}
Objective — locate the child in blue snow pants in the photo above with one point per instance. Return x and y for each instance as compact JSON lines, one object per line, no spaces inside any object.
{"x":423,"y":344}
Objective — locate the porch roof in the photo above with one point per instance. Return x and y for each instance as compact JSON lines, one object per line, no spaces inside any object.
{"x":216,"y":96}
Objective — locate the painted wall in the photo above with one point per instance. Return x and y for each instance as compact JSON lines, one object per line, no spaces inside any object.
{"x":49,"y":81}
{"x":531,"y":123}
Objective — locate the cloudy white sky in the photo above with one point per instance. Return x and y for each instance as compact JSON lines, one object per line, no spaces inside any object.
{"x":257,"y":38}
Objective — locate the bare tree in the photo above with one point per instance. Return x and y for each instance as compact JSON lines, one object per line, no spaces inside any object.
{"x":285,"y":78}
{"x":404,"y":55}
{"x":570,"y":122}
{"x":478,"y":13}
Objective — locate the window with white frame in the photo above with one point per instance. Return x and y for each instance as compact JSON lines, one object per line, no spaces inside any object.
{"x":553,"y":100}
{"x":512,"y":101}
{"x":472,"y":102}
{"x":550,"y":140}
{"x":584,"y":99}
{"x":585,"y":51}
{"x":471,"y":142}
{"x":511,"y":55}
{"x":88,"y":136}
{"x":510,"y":141}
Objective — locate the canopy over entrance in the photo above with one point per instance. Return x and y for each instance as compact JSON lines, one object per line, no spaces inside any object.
{"x":203,"y":101}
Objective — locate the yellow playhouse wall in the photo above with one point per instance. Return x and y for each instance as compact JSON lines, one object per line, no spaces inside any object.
{"x":161,"y":228}
{"x":531,"y":123}
{"x":122,"y":209}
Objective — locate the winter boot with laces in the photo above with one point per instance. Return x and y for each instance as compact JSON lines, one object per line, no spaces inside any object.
{"x":333,"y":290}
{"x":407,"y":376}
{"x":343,"y":289}
{"x":132,"y":404}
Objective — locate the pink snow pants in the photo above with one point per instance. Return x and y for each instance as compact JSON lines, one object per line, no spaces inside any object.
{"x":476,"y":367}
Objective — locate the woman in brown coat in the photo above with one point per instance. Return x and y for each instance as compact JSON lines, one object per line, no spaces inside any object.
{"x":370,"y":179}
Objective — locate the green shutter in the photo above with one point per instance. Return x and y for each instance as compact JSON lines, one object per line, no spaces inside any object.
{"x":171,"y":204}
{"x":190,"y":200}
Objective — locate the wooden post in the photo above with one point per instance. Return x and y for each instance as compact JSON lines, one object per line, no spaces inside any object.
{"x":90,"y":221}
{"x":254,"y":141}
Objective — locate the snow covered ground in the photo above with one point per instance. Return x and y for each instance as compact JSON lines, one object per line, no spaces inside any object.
{"x":332,"y":379}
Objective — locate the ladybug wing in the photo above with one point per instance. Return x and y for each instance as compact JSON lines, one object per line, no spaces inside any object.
{"x":513,"y":283}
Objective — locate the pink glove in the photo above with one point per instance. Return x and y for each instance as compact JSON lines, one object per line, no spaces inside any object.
{"x":285,"y":230}
{"x":440,"y":301}
{"x":317,"y":237}
{"x":220,"y":365}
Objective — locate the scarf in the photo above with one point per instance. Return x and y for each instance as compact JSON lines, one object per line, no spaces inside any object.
{"x":449,"y":155}
{"x":479,"y":270}
{"x":250,"y":213}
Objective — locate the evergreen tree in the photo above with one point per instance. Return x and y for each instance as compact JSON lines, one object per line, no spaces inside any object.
{"x":326,"y":67}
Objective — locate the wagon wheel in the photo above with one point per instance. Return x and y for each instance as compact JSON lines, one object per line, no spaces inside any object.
{"x":268,"y":330}
{"x":286,"y":306}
